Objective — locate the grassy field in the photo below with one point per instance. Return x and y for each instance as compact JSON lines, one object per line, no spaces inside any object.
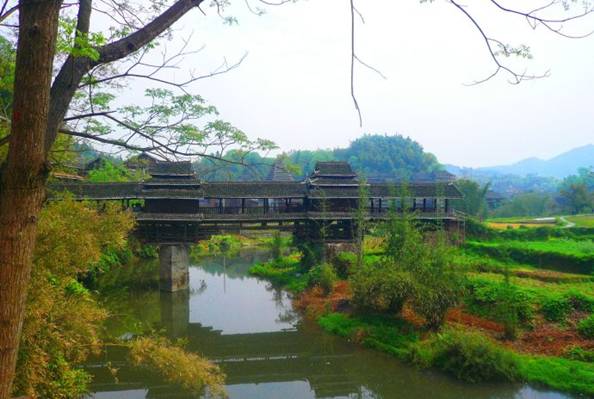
{"x":582,"y":220}
{"x":586,"y":220}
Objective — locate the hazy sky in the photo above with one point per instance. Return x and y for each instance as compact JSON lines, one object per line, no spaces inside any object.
{"x":293,"y":87}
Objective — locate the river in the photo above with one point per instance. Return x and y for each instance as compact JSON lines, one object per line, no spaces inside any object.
{"x":265,"y":348}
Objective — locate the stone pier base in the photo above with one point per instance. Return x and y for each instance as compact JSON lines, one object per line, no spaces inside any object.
{"x":175,"y":262}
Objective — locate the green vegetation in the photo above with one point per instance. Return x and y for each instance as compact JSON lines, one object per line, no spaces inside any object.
{"x":468,"y":356}
{"x":371,"y":155}
{"x":586,"y":327}
{"x":562,"y":374}
{"x":82,"y":248}
{"x":560,"y":254}
{"x":387,"y":334}
{"x":286,"y":272}
{"x":582,"y":220}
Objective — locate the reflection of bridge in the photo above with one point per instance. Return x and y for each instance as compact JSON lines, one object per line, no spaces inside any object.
{"x":246,"y":358}
{"x":174,"y":207}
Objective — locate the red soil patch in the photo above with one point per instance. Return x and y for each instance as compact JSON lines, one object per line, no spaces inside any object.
{"x":458,"y":316}
{"x":550,"y":339}
{"x":411,"y":317}
{"x":314,"y":302}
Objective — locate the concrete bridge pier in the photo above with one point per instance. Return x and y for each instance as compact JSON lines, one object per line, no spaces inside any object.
{"x":175,"y":262}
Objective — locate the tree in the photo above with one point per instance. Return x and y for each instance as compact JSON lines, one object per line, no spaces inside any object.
{"x":577,"y":197}
{"x":88,"y":62}
{"x":474,"y":197}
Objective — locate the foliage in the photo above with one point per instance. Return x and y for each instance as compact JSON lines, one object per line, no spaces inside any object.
{"x":276,"y":245}
{"x":586,"y":327}
{"x":474,"y":200}
{"x":344,"y":263}
{"x":392,"y":156}
{"x":380,"y":288}
{"x":285,"y":271}
{"x":526,"y":204}
{"x":381,"y":156}
{"x":501,"y":301}
{"x":388,"y":335}
{"x":323,"y":276}
{"x":193,"y":372}
{"x":438,"y":284}
{"x":581,"y":354}
{"x":565,"y":255}
{"x":467,"y":356}
{"x":62,"y":321}
{"x":112,"y":172}
{"x":563,"y":374}
{"x":556,"y":308}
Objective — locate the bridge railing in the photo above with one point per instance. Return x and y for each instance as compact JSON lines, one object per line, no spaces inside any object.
{"x":250,"y":210}
{"x":379,"y":212}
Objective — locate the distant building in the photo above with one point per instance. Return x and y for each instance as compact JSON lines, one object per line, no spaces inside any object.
{"x":144,"y":162}
{"x":279,"y":172}
{"x":494,"y":199}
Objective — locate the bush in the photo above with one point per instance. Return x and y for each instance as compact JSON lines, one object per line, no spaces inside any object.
{"x":276,"y":245}
{"x":580,"y":301}
{"x":499,"y":301}
{"x":438,"y":285}
{"x":586,"y":327}
{"x":581,"y":354}
{"x":467,"y":356}
{"x":343,"y":263}
{"x":380,"y":288}
{"x":556,"y":308}
{"x":323,"y":276}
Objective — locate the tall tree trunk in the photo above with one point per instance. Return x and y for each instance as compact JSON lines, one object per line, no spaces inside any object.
{"x":22,"y":185}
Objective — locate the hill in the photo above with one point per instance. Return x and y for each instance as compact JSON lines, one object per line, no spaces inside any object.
{"x":559,"y":167}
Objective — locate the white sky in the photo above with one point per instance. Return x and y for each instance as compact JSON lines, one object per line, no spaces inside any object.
{"x":293,"y":87}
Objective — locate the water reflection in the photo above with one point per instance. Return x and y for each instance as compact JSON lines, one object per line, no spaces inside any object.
{"x":266,"y":350}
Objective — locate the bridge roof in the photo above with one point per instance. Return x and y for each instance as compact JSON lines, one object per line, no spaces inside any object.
{"x":264,"y":189}
{"x":260,"y":189}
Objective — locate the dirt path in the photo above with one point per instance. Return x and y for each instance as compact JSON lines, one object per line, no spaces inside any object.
{"x":568,"y":224}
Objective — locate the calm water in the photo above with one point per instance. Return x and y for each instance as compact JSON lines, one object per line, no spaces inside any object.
{"x":266,"y":349}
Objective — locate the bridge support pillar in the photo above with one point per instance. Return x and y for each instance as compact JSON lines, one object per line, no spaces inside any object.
{"x":175,"y":262}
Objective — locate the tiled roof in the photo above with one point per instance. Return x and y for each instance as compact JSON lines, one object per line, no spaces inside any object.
{"x":278,"y":172}
{"x":334,"y":168}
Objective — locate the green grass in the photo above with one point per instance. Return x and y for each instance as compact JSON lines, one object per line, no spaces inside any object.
{"x":582,"y":220}
{"x":523,"y":220}
{"x":285,"y":272}
{"x":565,"y":255}
{"x":466,"y":355}
{"x":562,"y":374}
{"x":386,"y":334}
{"x":536,"y":289}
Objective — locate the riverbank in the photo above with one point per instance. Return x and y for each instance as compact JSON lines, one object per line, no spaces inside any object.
{"x":552,"y":347}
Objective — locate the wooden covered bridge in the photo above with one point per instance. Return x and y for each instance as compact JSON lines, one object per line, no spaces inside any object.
{"x":174,"y":207}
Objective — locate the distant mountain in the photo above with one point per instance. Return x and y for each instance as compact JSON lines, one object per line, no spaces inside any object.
{"x":558,"y":167}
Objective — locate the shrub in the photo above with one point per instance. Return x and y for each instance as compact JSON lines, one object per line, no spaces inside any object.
{"x":586,"y":327}
{"x":380,"y":288}
{"x":323,"y":276}
{"x":580,"y":301}
{"x":556,"y":308}
{"x":276,"y":245}
{"x":581,"y":354}
{"x":437,"y":284}
{"x":343,"y":263}
{"x":467,"y":356}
